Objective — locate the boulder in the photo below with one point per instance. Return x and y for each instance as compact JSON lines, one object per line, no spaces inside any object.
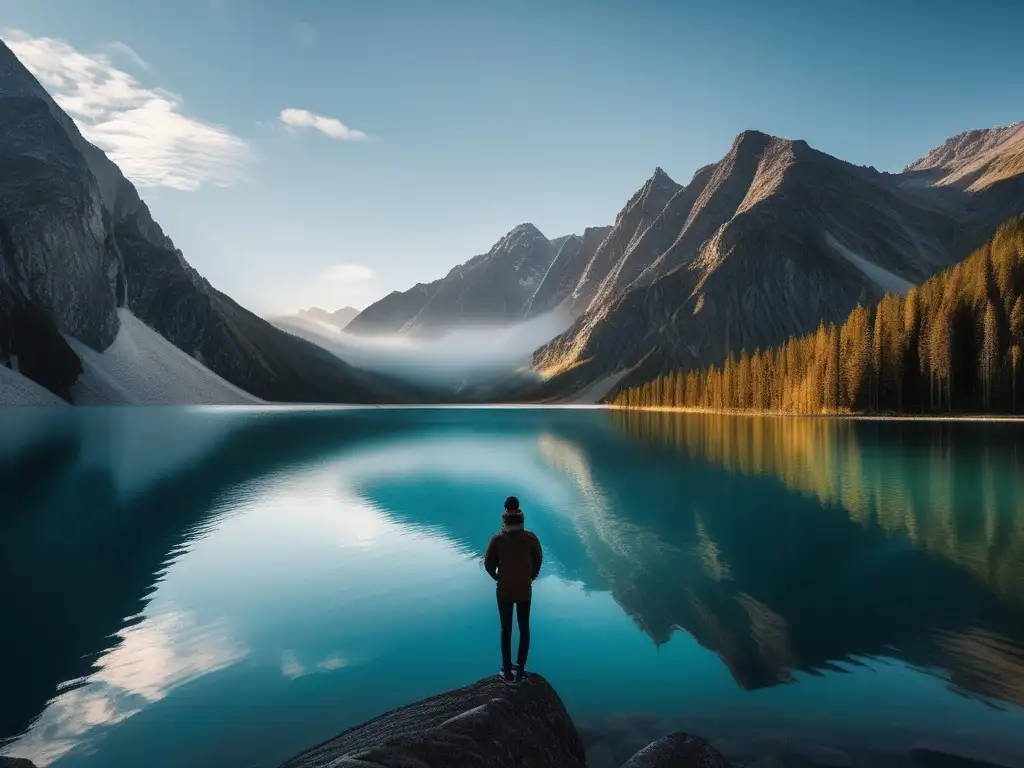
{"x":677,"y":750}
{"x":16,"y":762}
{"x":489,"y":724}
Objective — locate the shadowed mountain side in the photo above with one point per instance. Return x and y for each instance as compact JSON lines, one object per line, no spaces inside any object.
{"x":78,"y":244}
{"x":494,"y":288}
{"x":118,"y":546}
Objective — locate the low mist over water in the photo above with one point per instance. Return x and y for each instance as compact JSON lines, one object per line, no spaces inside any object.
{"x":463,"y":355}
{"x":225,"y":587}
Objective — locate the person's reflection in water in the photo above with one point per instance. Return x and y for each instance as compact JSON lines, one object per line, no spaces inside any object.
{"x":513,"y":559}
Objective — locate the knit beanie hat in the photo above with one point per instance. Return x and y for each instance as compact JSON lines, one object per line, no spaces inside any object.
{"x":512,"y":518}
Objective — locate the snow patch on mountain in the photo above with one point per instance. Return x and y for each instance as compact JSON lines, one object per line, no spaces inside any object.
{"x":141,"y":367}
{"x":17,"y":389}
{"x":885,"y":279}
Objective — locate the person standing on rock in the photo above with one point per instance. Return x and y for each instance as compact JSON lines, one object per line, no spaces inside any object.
{"x":513,"y":559}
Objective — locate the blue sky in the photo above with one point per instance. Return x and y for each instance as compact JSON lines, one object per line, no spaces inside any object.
{"x":451,"y":122}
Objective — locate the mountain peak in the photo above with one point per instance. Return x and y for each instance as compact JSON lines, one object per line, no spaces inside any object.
{"x":753,"y":141}
{"x":526,"y":228}
{"x":520,"y":234}
{"x":659,"y":172}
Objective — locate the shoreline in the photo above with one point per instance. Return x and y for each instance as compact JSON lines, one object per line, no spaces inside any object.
{"x":824,"y":416}
{"x":568,"y":406}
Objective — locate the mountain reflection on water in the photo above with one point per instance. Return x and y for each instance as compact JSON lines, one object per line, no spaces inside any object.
{"x":953,"y":489}
{"x":292,"y":568}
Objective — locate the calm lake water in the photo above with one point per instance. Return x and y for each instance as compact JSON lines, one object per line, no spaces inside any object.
{"x":225,"y":587}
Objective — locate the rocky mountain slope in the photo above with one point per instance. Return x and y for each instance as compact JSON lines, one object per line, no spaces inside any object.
{"x":566,"y":270}
{"x":77,"y":245}
{"x":763,"y":244}
{"x":523,"y":275}
{"x":975,"y":160}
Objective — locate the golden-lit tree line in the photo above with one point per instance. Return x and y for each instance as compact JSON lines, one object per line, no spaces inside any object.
{"x":954,"y":343}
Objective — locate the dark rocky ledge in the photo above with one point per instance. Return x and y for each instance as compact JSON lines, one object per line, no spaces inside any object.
{"x":488,"y":724}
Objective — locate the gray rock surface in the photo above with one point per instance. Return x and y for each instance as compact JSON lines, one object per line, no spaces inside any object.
{"x":16,"y":762}
{"x":677,"y":750}
{"x":565,"y":272}
{"x":77,"y":243}
{"x":488,"y":724}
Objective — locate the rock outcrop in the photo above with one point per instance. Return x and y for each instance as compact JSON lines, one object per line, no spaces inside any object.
{"x":488,"y":724}
{"x":677,"y":749}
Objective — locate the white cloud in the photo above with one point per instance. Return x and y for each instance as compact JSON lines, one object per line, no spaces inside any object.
{"x":303,"y":118}
{"x":303,"y":34}
{"x":348,"y":273}
{"x":140,"y":128}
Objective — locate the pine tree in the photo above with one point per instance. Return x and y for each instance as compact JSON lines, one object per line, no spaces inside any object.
{"x":831,"y":377}
{"x":1015,"y":356}
{"x":1017,"y":321}
{"x":1016,"y":346}
{"x":854,"y":356}
{"x":940,"y":356}
{"x":989,"y":358}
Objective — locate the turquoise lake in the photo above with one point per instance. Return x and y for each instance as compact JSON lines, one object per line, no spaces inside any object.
{"x":228,"y":586}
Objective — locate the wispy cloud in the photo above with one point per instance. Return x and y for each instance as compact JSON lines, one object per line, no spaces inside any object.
{"x":117,"y":48}
{"x":303,"y":118}
{"x":141,"y":128}
{"x":348,"y":273}
{"x":302,"y":33}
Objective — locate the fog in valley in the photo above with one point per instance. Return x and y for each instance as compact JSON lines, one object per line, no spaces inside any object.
{"x":460,"y":357}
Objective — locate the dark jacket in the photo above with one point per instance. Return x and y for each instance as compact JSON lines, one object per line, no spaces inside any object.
{"x":513,"y":559}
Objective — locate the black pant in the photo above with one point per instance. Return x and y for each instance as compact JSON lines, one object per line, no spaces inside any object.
{"x":523,"y":616}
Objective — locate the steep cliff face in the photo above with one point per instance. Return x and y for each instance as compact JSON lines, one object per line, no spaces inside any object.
{"x":633,"y":221}
{"x":565,"y":272}
{"x":766,"y":243}
{"x":77,"y":243}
